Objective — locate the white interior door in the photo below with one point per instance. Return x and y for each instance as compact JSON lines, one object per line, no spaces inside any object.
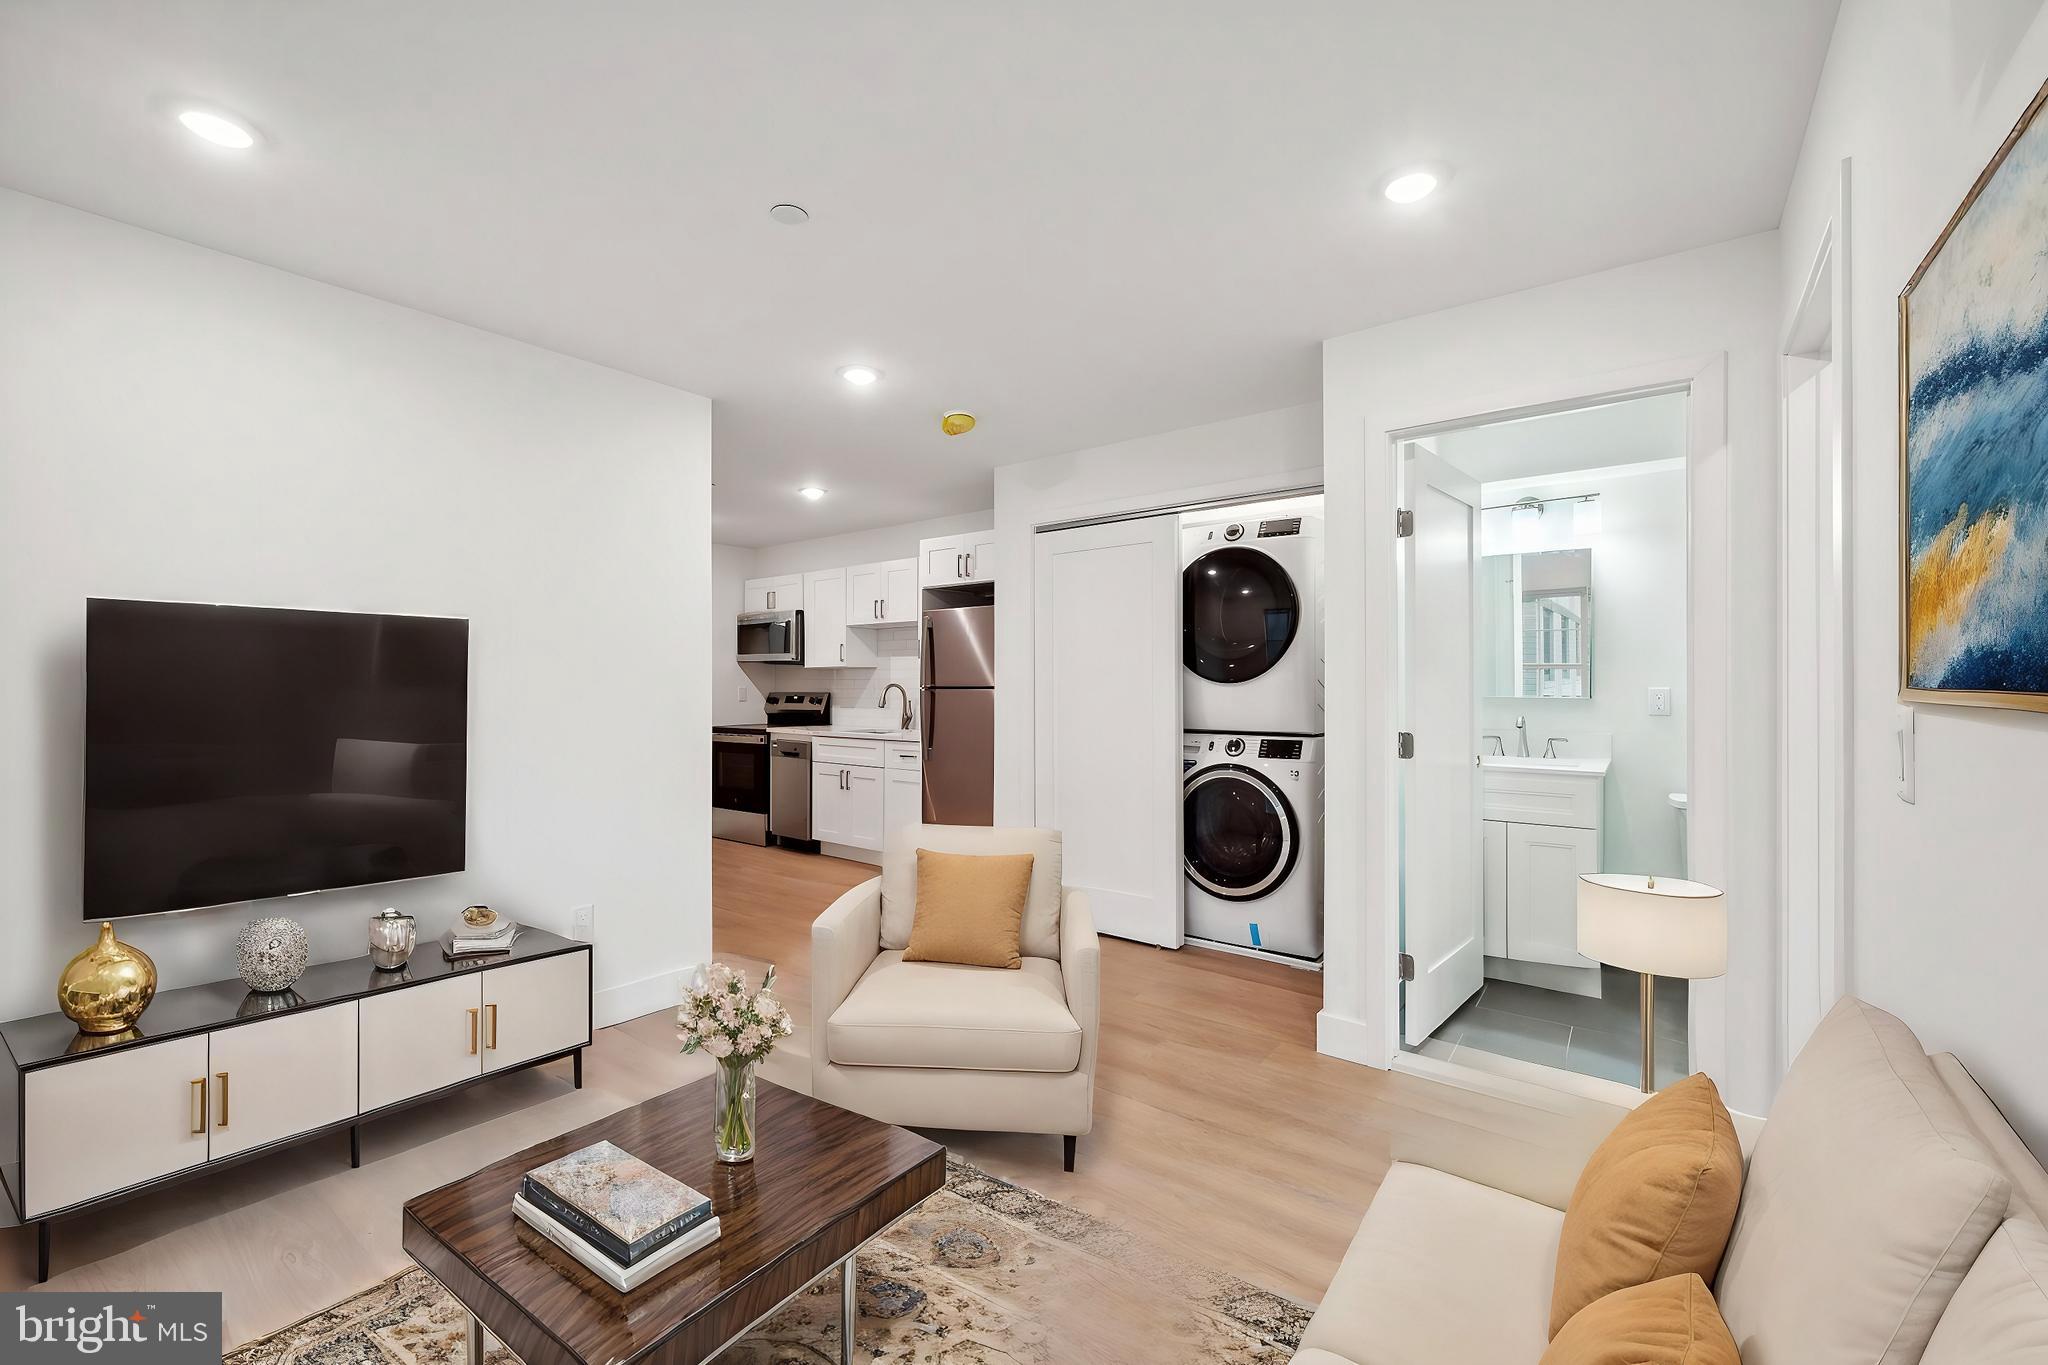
{"x":1442,"y":899}
{"x":1107,"y":697}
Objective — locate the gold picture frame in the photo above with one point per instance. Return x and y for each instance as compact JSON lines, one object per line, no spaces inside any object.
{"x":1971,"y":549}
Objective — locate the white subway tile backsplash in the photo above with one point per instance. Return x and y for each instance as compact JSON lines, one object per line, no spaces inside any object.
{"x":898,"y":659}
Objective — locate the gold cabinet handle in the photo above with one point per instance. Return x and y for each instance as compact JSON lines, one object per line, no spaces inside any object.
{"x":472,"y":1031}
{"x":492,"y":1011}
{"x":222,"y":1077}
{"x":199,"y":1106}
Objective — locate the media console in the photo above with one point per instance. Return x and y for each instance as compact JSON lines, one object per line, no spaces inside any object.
{"x":216,"y":1073}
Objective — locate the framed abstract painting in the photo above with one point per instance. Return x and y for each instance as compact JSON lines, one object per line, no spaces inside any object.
{"x":1973,"y":442}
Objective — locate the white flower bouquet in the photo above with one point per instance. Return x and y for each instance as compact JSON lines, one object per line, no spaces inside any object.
{"x":723,"y":1017}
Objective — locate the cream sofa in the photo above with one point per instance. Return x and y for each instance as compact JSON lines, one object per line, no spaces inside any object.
{"x":935,"y":1045}
{"x":1888,"y":1214}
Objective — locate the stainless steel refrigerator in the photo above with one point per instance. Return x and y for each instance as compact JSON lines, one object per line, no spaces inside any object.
{"x":960,"y":716}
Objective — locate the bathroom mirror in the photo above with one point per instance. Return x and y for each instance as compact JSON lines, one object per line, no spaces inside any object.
{"x":1536,"y":624}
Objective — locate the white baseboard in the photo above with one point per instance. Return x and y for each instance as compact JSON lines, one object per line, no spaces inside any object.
{"x":1339,"y":1035}
{"x":617,"y":1004}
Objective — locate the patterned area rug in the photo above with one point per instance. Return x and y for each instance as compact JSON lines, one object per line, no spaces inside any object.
{"x":985,"y":1273}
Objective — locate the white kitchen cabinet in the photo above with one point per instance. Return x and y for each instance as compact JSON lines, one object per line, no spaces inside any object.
{"x":91,"y":1127}
{"x":903,"y":802}
{"x":827,"y":641}
{"x":535,"y":1009}
{"x":281,"y":1077}
{"x":847,"y":804}
{"x":1544,"y":863}
{"x":785,"y":593}
{"x":883,"y":594}
{"x":1494,"y":849}
{"x":969,"y":557}
{"x":420,"y":1039}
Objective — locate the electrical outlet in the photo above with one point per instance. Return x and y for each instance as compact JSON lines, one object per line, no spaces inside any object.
{"x":1660,"y":701}
{"x":582,"y":923}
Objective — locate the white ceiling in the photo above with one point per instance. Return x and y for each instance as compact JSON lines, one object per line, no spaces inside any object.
{"x":1085,"y":221}
{"x":1634,"y":431}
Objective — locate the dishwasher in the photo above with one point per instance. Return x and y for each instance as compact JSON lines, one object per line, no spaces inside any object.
{"x":789,"y":790}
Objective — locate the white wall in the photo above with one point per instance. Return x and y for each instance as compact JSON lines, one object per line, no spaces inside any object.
{"x":1639,"y":595}
{"x":1946,"y":926}
{"x":861,"y":547}
{"x":734,"y":698}
{"x":1246,"y":455}
{"x":176,"y":423}
{"x":1598,"y":333}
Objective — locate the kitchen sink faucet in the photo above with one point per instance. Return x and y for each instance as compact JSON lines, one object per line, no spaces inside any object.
{"x":900,"y":688}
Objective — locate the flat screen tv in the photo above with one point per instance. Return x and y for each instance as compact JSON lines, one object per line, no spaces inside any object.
{"x":237,"y":753}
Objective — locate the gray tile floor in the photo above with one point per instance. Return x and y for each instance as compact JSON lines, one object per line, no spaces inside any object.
{"x":1572,"y":1032}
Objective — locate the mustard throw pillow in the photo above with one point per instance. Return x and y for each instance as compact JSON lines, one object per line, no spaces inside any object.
{"x":970,"y":909}
{"x":1657,"y":1199}
{"x":1672,"y":1321}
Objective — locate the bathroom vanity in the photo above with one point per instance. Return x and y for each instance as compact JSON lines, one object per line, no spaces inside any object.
{"x":1542,"y":832}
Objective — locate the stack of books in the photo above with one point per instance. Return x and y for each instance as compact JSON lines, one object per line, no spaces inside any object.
{"x":619,"y":1217}
{"x":463,"y":941}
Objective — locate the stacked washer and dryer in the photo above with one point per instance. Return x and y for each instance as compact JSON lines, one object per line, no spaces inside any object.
{"x":1252,"y":748}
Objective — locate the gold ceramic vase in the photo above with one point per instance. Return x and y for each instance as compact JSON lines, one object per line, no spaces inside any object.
{"x":106,"y":988}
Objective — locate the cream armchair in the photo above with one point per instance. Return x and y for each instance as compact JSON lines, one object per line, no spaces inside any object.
{"x":935,"y":1045}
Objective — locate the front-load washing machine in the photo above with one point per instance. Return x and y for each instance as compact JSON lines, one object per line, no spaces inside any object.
{"x":1252,"y":626}
{"x":1252,"y":842}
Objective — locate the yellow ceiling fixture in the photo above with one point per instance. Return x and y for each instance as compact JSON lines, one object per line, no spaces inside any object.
{"x":957,"y":423}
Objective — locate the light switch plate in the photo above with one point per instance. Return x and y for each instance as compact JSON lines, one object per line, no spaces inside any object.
{"x":740,"y":692}
{"x":1660,"y":701}
{"x":583,"y":923}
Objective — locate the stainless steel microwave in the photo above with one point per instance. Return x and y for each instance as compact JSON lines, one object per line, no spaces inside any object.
{"x":771,"y":637}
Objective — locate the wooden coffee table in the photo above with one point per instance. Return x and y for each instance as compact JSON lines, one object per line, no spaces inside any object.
{"x":824,"y":1181}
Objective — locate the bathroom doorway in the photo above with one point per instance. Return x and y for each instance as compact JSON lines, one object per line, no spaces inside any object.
{"x":1544,"y":611}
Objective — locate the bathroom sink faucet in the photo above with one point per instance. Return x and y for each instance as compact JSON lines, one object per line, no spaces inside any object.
{"x":1498,"y":747}
{"x":1550,"y":749}
{"x":1522,"y":736}
{"x":900,"y":688}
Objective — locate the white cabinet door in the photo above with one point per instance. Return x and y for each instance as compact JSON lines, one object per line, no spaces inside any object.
{"x":1495,"y":879}
{"x":95,"y":1126}
{"x":827,"y":641}
{"x":942,"y":560}
{"x":980,"y":550}
{"x":865,"y":589}
{"x":775,"y":594}
{"x":1544,"y":865}
{"x":281,"y":1077}
{"x":899,"y":592}
{"x":536,"y":1009}
{"x":904,"y":802}
{"x":865,"y":808}
{"x":421,"y":1038}
{"x":831,"y":802}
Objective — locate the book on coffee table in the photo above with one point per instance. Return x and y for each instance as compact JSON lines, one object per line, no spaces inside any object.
{"x":622,"y":1278}
{"x":616,"y":1202}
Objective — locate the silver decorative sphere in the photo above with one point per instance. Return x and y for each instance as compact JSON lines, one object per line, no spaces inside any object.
{"x":270,"y":953}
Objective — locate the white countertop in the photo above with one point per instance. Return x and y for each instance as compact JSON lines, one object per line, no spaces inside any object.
{"x":1582,"y":767}
{"x":847,"y":732}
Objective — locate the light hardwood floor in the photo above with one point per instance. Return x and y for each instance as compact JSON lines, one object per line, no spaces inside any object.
{"x":1219,"y":1130}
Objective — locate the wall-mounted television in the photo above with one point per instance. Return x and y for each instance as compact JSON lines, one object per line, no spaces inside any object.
{"x":238,"y":753}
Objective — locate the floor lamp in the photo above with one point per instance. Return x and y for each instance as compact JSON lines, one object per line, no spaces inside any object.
{"x":1657,"y":927}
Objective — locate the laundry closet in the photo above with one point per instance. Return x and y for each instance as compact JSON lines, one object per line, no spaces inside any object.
{"x":1179,"y":722}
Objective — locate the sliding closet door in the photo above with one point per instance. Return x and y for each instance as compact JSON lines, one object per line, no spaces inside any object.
{"x":1107,"y":696}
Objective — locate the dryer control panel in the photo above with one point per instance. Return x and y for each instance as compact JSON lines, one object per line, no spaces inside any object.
{"x":1286,"y":750}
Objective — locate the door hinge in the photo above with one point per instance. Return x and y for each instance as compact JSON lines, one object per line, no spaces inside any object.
{"x":1404,"y":745}
{"x":1404,"y":523}
{"x":1407,"y":966}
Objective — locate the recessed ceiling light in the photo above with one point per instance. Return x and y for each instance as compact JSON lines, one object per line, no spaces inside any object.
{"x":789,"y":215}
{"x":860,"y":376}
{"x":217,"y":128}
{"x":1410,"y":186}
{"x":810,"y":492}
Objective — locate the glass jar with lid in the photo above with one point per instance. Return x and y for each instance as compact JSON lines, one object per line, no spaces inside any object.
{"x":393,"y":935}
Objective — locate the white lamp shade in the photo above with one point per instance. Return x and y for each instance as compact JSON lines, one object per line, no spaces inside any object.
{"x":1664,"y":926}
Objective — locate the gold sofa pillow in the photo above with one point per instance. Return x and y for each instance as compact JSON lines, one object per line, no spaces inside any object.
{"x":1672,"y":1321}
{"x":970,"y":909}
{"x":1657,"y":1199}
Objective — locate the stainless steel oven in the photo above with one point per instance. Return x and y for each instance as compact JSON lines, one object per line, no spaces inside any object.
{"x":739,"y":783}
{"x":771,"y":637}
